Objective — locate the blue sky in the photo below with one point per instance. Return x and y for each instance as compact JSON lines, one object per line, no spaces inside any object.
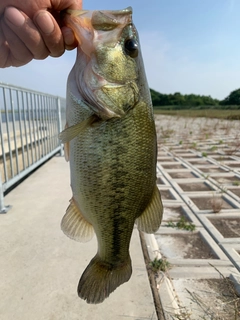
{"x":189,"y":46}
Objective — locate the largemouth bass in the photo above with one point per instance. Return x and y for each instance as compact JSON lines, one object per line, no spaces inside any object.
{"x":110,"y":142}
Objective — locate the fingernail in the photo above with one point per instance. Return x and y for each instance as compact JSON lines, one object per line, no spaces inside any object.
{"x":14,"y":16}
{"x":45,"y":22}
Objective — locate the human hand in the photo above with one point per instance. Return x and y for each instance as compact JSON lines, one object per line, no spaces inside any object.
{"x":30,"y":30}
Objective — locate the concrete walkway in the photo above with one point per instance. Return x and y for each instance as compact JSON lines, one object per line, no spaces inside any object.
{"x":40,"y":267}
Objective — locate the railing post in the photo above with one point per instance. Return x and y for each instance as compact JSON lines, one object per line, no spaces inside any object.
{"x":60,"y":124}
{"x":3,"y":209}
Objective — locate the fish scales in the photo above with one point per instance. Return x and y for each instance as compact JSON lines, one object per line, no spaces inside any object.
{"x":110,"y":141}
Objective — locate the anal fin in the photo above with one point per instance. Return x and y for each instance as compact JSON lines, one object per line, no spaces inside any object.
{"x":151,"y":218}
{"x":75,"y":226}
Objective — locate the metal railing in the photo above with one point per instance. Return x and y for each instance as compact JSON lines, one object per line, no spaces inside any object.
{"x":30,"y":122}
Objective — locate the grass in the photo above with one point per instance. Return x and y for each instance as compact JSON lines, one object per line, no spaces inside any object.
{"x":209,"y":113}
{"x":159,"y":265}
{"x":182,"y":224}
{"x":166,"y":133}
{"x":236,"y":183}
{"x":213,"y":148}
{"x":194,"y":145}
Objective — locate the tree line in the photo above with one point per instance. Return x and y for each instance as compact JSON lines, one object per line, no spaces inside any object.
{"x":180,"y":101}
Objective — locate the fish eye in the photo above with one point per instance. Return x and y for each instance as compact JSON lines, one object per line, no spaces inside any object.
{"x":131,"y":47}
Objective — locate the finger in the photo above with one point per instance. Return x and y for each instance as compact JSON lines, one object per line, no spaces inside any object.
{"x":16,"y":53}
{"x":24,"y":29}
{"x":66,"y":4}
{"x":69,"y":38}
{"x":4,"y":52}
{"x":50,"y":32}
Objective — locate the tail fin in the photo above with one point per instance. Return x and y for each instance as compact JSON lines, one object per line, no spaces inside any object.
{"x":100,"y":279}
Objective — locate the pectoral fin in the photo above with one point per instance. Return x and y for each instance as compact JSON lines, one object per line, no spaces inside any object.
{"x":151,"y":218}
{"x":71,"y":132}
{"x":75,"y":226}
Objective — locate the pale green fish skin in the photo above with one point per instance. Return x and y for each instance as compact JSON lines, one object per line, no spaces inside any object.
{"x":113,"y":152}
